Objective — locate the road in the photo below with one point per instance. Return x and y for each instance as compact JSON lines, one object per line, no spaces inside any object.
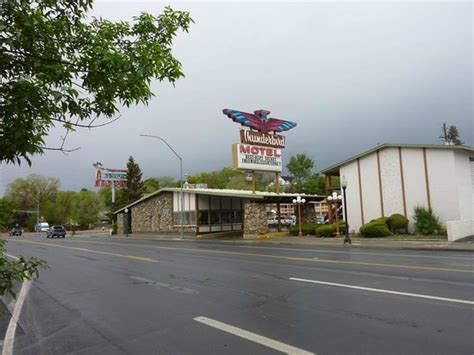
{"x":107,"y":295}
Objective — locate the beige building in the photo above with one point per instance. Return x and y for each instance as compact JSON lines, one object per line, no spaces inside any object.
{"x":394,"y":178}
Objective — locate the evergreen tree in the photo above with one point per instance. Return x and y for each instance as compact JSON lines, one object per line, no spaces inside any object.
{"x":134,"y":188}
{"x":453,"y":136}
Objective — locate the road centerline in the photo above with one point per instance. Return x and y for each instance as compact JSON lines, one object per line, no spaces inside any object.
{"x":259,"y":339}
{"x":417,"y":295}
{"x":281,"y":257}
{"x":133,"y":257}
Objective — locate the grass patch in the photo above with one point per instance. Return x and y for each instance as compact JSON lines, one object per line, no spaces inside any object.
{"x":272,"y":234}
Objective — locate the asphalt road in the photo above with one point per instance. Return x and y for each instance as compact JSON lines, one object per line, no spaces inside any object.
{"x":109,"y":295}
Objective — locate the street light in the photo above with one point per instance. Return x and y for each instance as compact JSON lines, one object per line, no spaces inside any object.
{"x":335,"y":198}
{"x":180,"y":175}
{"x":299,"y":201}
{"x":347,"y":238}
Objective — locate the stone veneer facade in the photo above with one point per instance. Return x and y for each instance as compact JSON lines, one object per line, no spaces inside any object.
{"x":308,"y":213}
{"x":120,"y":223}
{"x":255,"y":219}
{"x":154,"y":214}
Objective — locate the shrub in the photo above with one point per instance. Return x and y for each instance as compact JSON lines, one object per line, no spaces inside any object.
{"x":426,"y":222}
{"x":312,"y":228}
{"x":305,"y":229}
{"x":329,"y":230}
{"x":375,"y":230}
{"x":326,"y":230}
{"x":397,"y":222}
{"x":114,"y":228}
{"x":380,"y":219}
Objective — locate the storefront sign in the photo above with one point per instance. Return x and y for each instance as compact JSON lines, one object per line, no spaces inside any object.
{"x":106,"y":177}
{"x":259,"y":138}
{"x":252,"y":157}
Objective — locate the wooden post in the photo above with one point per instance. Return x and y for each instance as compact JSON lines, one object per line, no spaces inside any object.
{"x":337,"y":221}
{"x":278,"y":216}
{"x":254,"y":182}
{"x":328,"y":186}
{"x":300,"y":233}
{"x":196,"y":196}
{"x":277,"y":183}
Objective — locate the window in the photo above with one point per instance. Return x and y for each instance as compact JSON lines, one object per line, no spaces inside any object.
{"x":189,"y":218}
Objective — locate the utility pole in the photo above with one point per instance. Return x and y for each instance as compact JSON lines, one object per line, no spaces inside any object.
{"x":444,"y":134}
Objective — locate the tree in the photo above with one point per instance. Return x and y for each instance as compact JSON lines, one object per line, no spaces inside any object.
{"x":315,"y":185}
{"x":453,"y":136}
{"x":6,"y":213}
{"x":134,"y":187}
{"x":59,"y":68}
{"x":62,"y":210}
{"x":32,"y":192}
{"x":87,"y":207}
{"x":300,"y":167}
{"x":151,"y":185}
{"x":13,"y":271}
{"x":166,"y":181}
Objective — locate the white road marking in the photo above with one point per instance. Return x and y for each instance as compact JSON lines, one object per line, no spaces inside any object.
{"x":270,"y":343}
{"x":12,"y":325}
{"x":454,"y":300}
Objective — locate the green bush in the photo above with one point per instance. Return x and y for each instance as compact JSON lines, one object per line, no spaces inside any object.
{"x":326,"y":230}
{"x":305,"y":229}
{"x":329,"y":230}
{"x":114,"y":228}
{"x":380,"y":219}
{"x":375,"y":229}
{"x":397,"y":222}
{"x":426,"y":222}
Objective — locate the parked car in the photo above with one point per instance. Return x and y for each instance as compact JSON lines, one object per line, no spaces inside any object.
{"x":56,"y":231}
{"x":284,"y":221}
{"x":15,"y":231}
{"x":42,"y":227}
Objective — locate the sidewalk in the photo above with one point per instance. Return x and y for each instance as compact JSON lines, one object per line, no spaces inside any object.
{"x":364,"y":243}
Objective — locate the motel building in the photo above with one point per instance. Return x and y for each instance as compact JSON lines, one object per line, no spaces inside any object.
{"x":394,"y":178}
{"x":204,"y":210}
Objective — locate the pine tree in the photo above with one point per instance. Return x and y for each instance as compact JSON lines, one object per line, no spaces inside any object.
{"x":453,"y":136}
{"x":134,"y":187}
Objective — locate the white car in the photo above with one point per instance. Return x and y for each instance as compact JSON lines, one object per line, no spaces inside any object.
{"x":42,"y":227}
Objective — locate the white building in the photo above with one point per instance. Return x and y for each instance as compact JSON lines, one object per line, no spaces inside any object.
{"x":394,"y":178}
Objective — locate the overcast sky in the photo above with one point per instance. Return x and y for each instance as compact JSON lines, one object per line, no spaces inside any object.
{"x":351,"y":75}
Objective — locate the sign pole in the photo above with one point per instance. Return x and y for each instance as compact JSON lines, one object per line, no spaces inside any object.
{"x":277,"y":182}
{"x":113,"y":192}
{"x":254,"y":181}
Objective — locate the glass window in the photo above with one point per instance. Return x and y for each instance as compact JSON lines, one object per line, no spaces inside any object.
{"x":203,"y":218}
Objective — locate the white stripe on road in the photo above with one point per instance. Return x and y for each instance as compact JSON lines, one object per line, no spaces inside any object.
{"x":455,"y":300}
{"x":270,"y":343}
{"x":12,"y":325}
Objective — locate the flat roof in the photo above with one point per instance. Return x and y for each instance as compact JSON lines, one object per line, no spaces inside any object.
{"x":334,"y":169}
{"x":263,"y":196}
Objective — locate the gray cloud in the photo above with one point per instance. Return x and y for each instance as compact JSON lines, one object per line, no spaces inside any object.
{"x":351,"y":75}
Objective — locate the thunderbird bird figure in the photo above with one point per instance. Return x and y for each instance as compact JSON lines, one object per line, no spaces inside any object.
{"x":259,"y":121}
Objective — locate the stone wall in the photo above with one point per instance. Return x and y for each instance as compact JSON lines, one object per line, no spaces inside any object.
{"x":120,"y":223}
{"x":255,"y":219}
{"x":308,"y":213}
{"x":154,"y":214}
